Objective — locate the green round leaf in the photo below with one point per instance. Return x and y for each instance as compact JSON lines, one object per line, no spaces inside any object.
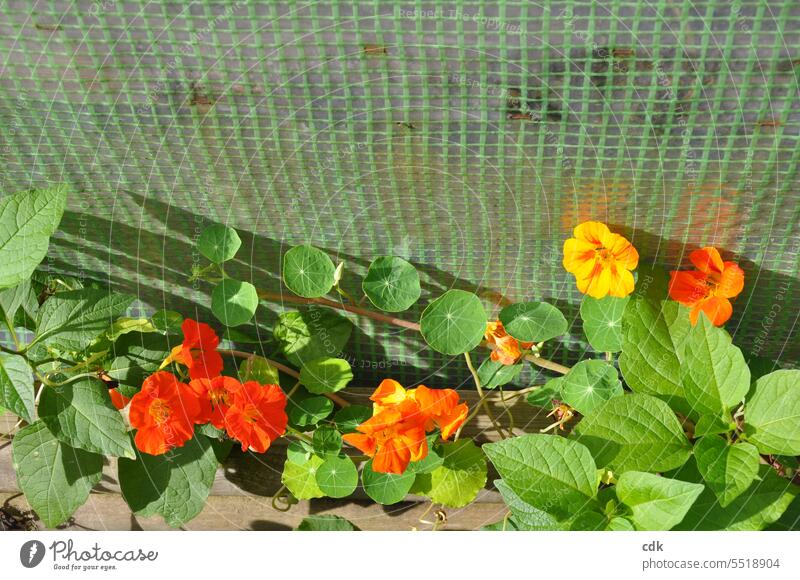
{"x":311,"y":333}
{"x":234,"y":302}
{"x":219,"y":243}
{"x":533,"y":321}
{"x":337,"y":477}
{"x":351,"y":417}
{"x":298,"y":452}
{"x":327,"y":441}
{"x":300,"y":478}
{"x":326,"y":523}
{"x":602,"y":322}
{"x":308,"y":272}
{"x":588,"y":384}
{"x":326,"y":375}
{"x":454,"y":323}
{"x":460,"y":477}
{"x":392,"y":284}
{"x":308,"y":411}
{"x":386,"y":488}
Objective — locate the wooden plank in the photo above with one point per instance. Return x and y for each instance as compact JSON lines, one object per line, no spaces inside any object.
{"x":109,"y":512}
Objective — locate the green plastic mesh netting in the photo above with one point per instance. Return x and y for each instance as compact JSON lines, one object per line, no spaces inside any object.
{"x":467,"y":137}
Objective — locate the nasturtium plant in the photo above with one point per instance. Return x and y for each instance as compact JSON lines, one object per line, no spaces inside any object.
{"x":337,"y":476}
{"x":602,"y":322}
{"x":533,"y":321}
{"x":308,"y":271}
{"x":234,"y":302}
{"x":386,"y":488}
{"x":326,"y":375}
{"x":588,"y":384}
{"x":311,"y":333}
{"x":325,"y":523}
{"x":454,"y":323}
{"x":219,"y":243}
{"x":458,"y":478}
{"x":685,"y":435}
{"x":392,"y":284}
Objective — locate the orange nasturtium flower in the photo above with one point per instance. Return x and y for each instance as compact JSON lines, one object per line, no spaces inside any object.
{"x":163,"y":413}
{"x":601,"y":261}
{"x":198,"y":351}
{"x":507,"y":349}
{"x":216,"y":397}
{"x":257,"y":415}
{"x":395,"y":435}
{"x":708,"y":288}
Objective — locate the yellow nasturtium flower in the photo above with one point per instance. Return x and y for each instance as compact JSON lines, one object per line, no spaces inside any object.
{"x":601,"y":261}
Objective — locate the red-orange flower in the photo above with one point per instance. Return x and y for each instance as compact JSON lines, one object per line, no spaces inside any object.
{"x":216,"y":397}
{"x":257,"y":415}
{"x":163,"y":413}
{"x":507,"y":349}
{"x":601,"y":261}
{"x":442,"y":408}
{"x":198,"y":351}
{"x":118,"y":399}
{"x":395,"y":435}
{"x":709,"y":288}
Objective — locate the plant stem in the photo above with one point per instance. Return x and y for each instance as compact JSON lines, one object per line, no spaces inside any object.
{"x":484,"y":402}
{"x":284,"y":369}
{"x":275,"y":297}
{"x":9,"y":350}
{"x":272,"y":297}
{"x":302,"y":436}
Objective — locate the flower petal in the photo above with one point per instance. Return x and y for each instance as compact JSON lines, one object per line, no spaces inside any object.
{"x":731,"y":283}
{"x":592,"y":232}
{"x":364,"y":443}
{"x":687,"y":287}
{"x":577,"y":254}
{"x":707,"y":260}
{"x":621,"y":283}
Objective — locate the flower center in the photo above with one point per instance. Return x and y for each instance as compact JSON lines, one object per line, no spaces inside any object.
{"x":251,"y":414}
{"x":605,"y":255}
{"x":218,"y":397}
{"x":160,"y":411}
